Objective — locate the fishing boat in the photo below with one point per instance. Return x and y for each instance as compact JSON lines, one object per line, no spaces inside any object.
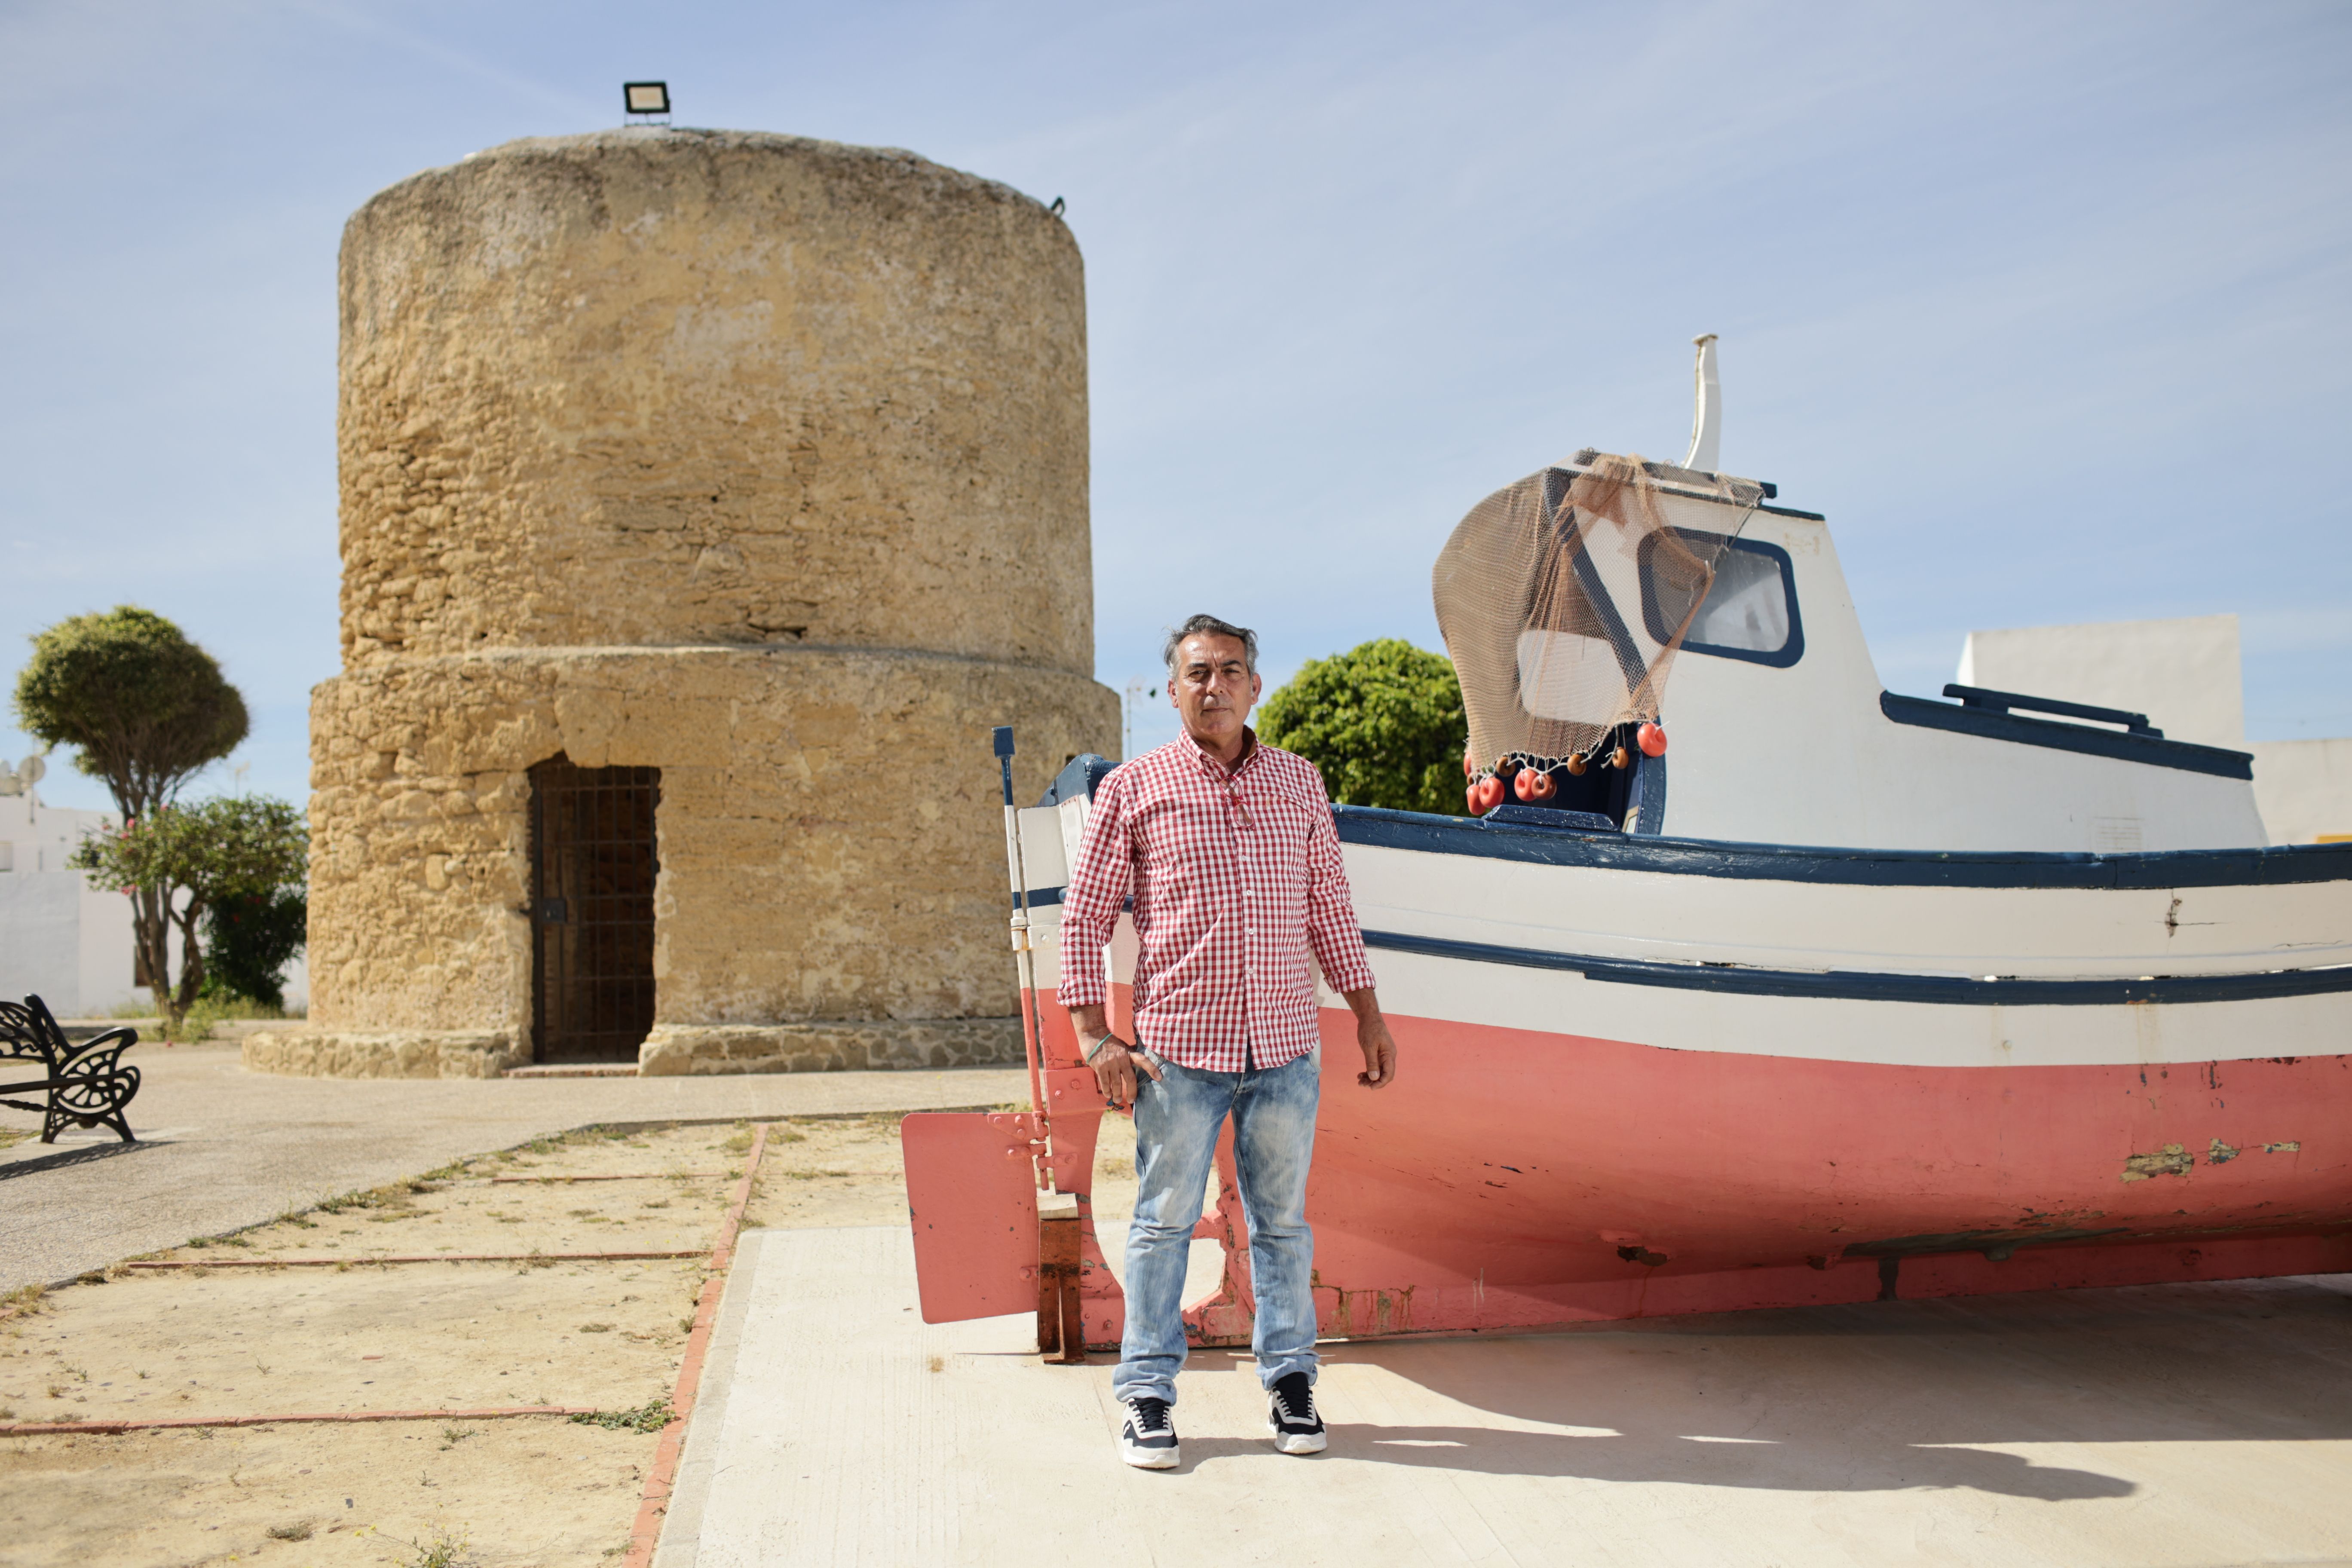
{"x":1865,"y":995}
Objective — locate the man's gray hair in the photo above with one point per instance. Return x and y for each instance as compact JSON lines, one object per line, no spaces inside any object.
{"x":1214,"y":628}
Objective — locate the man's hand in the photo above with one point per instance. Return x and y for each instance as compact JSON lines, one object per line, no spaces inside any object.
{"x":1372,"y":1035}
{"x":1115,"y":1061}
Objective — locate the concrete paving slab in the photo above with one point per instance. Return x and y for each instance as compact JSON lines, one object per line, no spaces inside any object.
{"x":2164,"y":1426}
{"x":221,"y":1147}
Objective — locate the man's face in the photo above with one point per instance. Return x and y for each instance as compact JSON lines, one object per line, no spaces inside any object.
{"x":1212,"y":687}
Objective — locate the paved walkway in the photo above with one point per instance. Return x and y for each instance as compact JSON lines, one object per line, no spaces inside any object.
{"x":221,"y":1147}
{"x":2168,"y":1426}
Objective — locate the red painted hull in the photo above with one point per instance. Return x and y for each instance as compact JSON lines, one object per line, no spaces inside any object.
{"x":1515,"y":1179}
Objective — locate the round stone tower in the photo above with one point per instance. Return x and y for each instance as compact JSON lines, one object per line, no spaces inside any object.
{"x":706,"y":498}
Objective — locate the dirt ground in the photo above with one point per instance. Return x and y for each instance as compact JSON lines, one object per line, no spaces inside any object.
{"x":533,"y":1490}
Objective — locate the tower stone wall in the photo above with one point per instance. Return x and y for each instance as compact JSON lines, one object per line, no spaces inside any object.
{"x":759,"y":460}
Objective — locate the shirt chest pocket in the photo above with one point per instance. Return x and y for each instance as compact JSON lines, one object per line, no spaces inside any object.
{"x":1274,"y":847}
{"x":1180,"y":842}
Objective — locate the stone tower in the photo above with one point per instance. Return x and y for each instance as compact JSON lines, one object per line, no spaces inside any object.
{"x":706,"y":498}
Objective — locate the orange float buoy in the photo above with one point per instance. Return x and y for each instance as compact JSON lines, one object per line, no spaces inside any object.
{"x":1490,"y":794}
{"x":1576,"y":767}
{"x":1541,"y":787}
{"x":1652,"y":739}
{"x":1471,"y":795}
{"x":1617,"y":758}
{"x":1469,"y":767}
{"x":1523,"y":783}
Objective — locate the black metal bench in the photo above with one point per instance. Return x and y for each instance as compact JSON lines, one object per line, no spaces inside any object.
{"x":85,"y":1084}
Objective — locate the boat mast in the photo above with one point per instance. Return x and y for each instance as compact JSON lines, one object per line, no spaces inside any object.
{"x":1707,"y":411}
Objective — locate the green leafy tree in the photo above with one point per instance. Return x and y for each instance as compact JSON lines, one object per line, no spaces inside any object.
{"x":250,"y":940}
{"x":195,"y":858}
{"x":1384,"y":721}
{"x":145,"y":710}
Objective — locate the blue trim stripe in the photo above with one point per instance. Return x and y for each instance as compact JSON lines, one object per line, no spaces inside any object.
{"x":1933,"y":990}
{"x":2281,"y":866}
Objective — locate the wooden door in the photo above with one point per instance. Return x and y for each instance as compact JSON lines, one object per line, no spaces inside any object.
{"x":592,"y":867}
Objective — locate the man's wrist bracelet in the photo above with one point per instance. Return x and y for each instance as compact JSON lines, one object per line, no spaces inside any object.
{"x":1099,"y":1046}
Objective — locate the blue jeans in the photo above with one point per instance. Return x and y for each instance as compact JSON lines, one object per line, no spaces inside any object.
{"x":1177,"y":1119}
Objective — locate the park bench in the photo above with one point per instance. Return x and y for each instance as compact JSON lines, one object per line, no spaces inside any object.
{"x":85,"y":1084}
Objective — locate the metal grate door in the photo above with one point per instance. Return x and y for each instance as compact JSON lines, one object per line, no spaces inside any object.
{"x":591,"y":910}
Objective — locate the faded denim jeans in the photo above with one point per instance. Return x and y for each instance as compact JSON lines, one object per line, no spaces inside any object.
{"x":1177,"y":1120}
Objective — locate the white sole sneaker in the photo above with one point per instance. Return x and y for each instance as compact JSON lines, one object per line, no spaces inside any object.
{"x":1297,"y":1442}
{"x":1144,"y":1459}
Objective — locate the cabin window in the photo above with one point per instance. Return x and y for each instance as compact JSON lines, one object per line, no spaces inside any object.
{"x":1750,"y":609}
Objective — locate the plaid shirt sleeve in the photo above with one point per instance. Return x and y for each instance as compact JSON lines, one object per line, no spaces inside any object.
{"x":1099,"y":884}
{"x":1331,"y":925}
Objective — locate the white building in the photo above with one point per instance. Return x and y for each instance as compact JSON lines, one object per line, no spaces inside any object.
{"x":60,"y":939}
{"x":2184,"y":675}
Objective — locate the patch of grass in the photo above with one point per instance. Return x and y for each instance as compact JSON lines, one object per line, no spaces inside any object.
{"x":298,"y":1530}
{"x":595,"y":1328}
{"x":452,"y":1436}
{"x":10,"y":1136}
{"x":663,"y":1203}
{"x":737,"y":1143}
{"x":23,"y":1298}
{"x":200,"y":1241}
{"x":443,"y":1550}
{"x":651,"y":1416}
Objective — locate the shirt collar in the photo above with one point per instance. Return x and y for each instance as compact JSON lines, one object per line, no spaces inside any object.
{"x":1217,"y":769}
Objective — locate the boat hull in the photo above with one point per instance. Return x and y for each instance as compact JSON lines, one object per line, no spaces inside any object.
{"x":1515,"y":1178}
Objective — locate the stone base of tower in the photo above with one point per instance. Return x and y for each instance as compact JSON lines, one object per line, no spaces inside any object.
{"x":831,"y":868}
{"x":672,"y":1050}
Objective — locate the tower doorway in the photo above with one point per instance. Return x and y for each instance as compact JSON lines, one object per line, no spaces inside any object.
{"x":592,"y":863}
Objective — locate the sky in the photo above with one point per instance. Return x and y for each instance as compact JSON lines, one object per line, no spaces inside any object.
{"x":2046,"y":307}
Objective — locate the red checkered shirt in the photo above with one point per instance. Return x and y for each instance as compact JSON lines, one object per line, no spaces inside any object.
{"x":1235,"y":877}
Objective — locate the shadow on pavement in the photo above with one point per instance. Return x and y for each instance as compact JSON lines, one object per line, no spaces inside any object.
{"x":1882,"y":1396}
{"x":81,"y":1155}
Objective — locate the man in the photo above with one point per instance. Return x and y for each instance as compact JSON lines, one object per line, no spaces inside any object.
{"x":1228,"y":848}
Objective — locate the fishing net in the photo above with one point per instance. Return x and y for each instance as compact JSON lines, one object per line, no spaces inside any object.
{"x":1563,"y":598}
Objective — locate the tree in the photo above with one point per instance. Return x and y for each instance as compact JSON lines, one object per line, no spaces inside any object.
{"x":145,"y":710}
{"x":1384,"y":721}
{"x":249,"y":940}
{"x":193,"y":857}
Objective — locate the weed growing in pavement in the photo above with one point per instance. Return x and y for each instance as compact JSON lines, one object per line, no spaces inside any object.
{"x":200,"y":1241}
{"x":23,"y":1298}
{"x":595,"y":1328}
{"x":78,"y":1371}
{"x":739,"y":1142}
{"x":662,"y":1205}
{"x":56,"y":1391}
{"x":452,"y":1436}
{"x":298,"y":1530}
{"x":685,"y":1325}
{"x":13,"y":1135}
{"x":651,"y":1416}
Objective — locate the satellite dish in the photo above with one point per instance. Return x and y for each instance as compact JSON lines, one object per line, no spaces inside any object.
{"x":32,"y":770}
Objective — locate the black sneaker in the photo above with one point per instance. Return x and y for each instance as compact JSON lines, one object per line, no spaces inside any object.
{"x":1147,"y":1441}
{"x":1291,"y":1416}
